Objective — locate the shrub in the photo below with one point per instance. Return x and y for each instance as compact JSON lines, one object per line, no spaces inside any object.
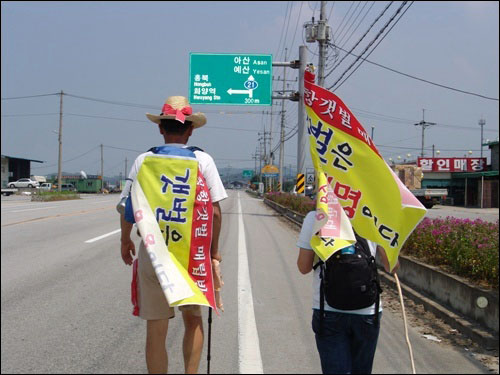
{"x":296,"y":203}
{"x":464,"y":247}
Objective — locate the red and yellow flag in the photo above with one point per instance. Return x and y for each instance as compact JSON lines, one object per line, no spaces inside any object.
{"x":379,"y":206}
{"x":173,"y":211}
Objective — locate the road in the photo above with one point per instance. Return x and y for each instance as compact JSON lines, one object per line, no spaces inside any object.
{"x":486,"y":214}
{"x":65,"y":298}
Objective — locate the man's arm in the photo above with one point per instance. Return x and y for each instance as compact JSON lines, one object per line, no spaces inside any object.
{"x":127,"y":245}
{"x":385,"y":261}
{"x":305,"y":260}
{"x":217,"y":223}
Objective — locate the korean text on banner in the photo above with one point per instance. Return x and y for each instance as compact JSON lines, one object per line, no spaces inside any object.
{"x":379,"y":206}
{"x":332,"y":229}
{"x":173,"y":212}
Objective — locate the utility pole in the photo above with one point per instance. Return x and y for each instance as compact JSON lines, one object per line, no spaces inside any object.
{"x":322,"y":38}
{"x":282,"y":138}
{"x":297,"y":97}
{"x":102,"y":169}
{"x":255,"y":157}
{"x":432,"y":151}
{"x":373,"y":129}
{"x":59,"y":163}
{"x":126,"y":169}
{"x":424,"y":124}
{"x":271,"y":136}
{"x":301,"y":128}
{"x":482,"y":122}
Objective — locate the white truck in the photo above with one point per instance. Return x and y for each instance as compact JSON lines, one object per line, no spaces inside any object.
{"x":411,"y":176}
{"x":8,"y":191}
{"x":430,"y":197}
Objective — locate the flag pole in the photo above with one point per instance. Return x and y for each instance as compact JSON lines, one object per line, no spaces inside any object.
{"x":404,"y":319}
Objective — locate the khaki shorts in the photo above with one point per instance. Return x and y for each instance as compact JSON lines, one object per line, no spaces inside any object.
{"x":153,"y":304}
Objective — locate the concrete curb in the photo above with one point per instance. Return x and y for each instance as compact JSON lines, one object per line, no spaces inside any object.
{"x":459,"y":322}
{"x":462,"y":324}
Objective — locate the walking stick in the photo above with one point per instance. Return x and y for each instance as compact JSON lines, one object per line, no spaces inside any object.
{"x":404,"y":319}
{"x":209,"y":338}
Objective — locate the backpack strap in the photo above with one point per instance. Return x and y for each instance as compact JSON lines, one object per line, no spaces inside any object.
{"x":366,"y":249}
{"x":154,"y":150}
{"x":321,"y":295}
{"x":194,"y":148}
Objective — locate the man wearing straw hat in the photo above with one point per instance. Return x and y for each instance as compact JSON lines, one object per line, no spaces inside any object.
{"x":176,"y":124}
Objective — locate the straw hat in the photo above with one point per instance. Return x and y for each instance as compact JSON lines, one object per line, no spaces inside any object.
{"x":178,"y":108}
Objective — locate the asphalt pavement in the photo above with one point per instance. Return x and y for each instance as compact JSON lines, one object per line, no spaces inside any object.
{"x":65,"y":298}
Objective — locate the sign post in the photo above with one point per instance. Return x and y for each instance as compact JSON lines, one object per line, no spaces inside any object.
{"x":230,"y":79}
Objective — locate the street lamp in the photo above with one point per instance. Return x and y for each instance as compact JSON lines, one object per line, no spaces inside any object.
{"x":482,"y":122}
{"x":438,"y":152}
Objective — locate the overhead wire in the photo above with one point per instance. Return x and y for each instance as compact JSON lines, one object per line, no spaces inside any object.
{"x":360,"y":39}
{"x":352,"y":14}
{"x":335,"y":86}
{"x":359,"y":24}
{"x":420,"y":79}
{"x":343,"y":19}
{"x":30,"y":96}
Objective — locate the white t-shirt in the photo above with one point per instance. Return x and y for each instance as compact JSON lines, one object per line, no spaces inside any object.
{"x":303,"y":242}
{"x":207,"y":167}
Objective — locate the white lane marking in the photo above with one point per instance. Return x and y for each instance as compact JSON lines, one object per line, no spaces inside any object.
{"x":103,"y":236}
{"x":32,"y":209}
{"x":250,"y":361}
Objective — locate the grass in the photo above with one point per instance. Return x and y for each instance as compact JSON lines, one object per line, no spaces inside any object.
{"x":50,"y":196}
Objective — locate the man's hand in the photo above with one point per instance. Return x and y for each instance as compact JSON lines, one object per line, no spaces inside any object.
{"x":128,"y":251}
{"x":216,"y":255}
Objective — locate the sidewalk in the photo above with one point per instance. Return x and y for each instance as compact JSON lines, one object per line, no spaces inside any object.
{"x":474,"y":210}
{"x":466,"y":325}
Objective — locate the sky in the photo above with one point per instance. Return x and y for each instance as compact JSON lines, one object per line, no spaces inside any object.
{"x":136,"y":54}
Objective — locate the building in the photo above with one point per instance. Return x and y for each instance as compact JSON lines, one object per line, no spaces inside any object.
{"x":15,"y":168}
{"x":470,"y":182}
{"x":91,"y":184}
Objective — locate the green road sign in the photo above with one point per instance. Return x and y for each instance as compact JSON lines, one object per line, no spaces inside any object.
{"x":235,"y":79}
{"x":247,"y":173}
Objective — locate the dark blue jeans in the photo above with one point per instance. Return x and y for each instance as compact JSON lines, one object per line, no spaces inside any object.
{"x":347,"y":343}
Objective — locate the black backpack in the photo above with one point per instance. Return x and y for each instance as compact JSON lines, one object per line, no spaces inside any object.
{"x":350,"y":281}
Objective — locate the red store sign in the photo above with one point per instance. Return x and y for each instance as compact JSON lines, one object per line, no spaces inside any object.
{"x":452,"y":164}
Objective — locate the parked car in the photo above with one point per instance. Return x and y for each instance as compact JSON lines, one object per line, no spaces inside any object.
{"x":67,"y":187}
{"x":46,"y":186}
{"x":23,"y":183}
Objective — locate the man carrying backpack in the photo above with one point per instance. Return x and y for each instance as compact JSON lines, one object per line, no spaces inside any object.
{"x":178,"y":175}
{"x":346,"y":295}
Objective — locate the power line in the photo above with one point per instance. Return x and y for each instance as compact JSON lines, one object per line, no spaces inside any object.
{"x":373,"y":49}
{"x":32,"y":114}
{"x":343,"y":19}
{"x":359,"y":24}
{"x":417,"y":78}
{"x":112,"y":102}
{"x":283,"y":28}
{"x":31,"y":96}
{"x":297,"y":25}
{"x":360,"y":39}
{"x":354,"y":11}
{"x":66,"y":161}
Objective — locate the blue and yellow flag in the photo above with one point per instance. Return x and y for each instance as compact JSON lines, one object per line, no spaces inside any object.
{"x":379,"y":206}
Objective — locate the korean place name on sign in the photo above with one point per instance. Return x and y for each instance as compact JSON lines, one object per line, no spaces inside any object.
{"x":234,"y":79}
